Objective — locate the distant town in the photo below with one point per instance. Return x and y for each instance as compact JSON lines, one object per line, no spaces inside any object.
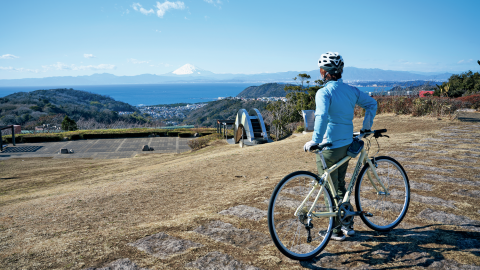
{"x":180,"y":112}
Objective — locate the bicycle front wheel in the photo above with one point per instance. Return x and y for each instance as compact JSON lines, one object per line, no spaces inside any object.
{"x":290,"y":233}
{"x":388,"y":208}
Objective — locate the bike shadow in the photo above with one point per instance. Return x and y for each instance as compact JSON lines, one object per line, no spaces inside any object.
{"x":423,"y":246}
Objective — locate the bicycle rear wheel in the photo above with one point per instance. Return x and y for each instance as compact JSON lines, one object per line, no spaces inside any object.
{"x":389,"y":209}
{"x":289,"y":232}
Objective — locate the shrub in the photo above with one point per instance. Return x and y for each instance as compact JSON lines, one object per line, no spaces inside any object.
{"x":473,"y":100}
{"x":415,"y":106}
{"x":300,"y":129}
{"x":205,"y":133}
{"x":198,"y":143}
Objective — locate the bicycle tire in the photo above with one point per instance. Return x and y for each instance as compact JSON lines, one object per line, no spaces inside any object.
{"x":388,"y":210}
{"x":285,"y":199}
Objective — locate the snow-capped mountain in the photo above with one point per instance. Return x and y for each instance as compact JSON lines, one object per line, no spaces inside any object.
{"x":189,"y":69}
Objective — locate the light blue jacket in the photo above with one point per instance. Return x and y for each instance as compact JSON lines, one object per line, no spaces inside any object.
{"x":335,"y":103}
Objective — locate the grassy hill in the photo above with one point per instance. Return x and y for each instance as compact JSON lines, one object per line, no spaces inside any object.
{"x":264,"y":90}
{"x":81,"y":213}
{"x":221,"y":109}
{"x":33,"y":108}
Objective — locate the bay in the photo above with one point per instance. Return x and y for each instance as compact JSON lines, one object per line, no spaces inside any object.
{"x":155,"y":94}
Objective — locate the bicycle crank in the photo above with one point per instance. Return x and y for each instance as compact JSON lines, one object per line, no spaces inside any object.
{"x":345,"y":214}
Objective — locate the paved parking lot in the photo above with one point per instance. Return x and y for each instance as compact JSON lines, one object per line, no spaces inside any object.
{"x":96,"y":148}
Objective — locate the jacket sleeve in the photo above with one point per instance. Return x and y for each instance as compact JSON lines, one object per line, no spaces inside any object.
{"x":322,"y":101}
{"x":370,"y":105}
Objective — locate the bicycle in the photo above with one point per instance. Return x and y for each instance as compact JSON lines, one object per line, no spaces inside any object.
{"x":301,"y":202}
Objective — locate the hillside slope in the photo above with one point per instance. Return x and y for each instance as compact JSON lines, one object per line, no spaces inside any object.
{"x":104,"y":206}
{"x":221,"y":109}
{"x":28,"y":107}
{"x":264,"y":90}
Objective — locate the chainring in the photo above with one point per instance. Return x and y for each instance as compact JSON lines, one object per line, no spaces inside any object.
{"x":342,"y":214}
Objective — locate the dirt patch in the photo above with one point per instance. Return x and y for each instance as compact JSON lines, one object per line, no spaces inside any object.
{"x":468,"y":192}
{"x":454,"y":159}
{"x":426,"y":150}
{"x":422,"y":186}
{"x":433,"y":200}
{"x":216,"y":260}
{"x":449,"y":219}
{"x":163,"y":246}
{"x":457,"y":180}
{"x":427,"y":168}
{"x":121,"y":264}
{"x":244,"y":211}
{"x":226,"y":232}
{"x":400,"y":153}
{"x":449,"y":264}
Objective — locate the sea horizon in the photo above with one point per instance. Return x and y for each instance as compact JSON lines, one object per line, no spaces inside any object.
{"x":157,"y":94}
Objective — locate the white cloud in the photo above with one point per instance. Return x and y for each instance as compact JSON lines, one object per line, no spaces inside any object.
{"x":135,"y":61}
{"x":8,"y":56}
{"x":465,"y":61}
{"x":139,"y":8}
{"x":20,"y":69}
{"x":158,"y":31}
{"x":162,"y":8}
{"x":88,"y":55}
{"x":62,"y":66}
{"x":213,"y":2}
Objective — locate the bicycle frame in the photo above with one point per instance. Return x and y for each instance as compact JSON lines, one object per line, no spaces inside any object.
{"x":326,"y":175}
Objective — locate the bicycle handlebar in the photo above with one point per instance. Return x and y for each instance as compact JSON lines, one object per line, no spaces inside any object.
{"x":359,"y":135}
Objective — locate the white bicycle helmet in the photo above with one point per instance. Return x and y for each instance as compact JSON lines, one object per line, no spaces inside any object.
{"x":331,"y":62}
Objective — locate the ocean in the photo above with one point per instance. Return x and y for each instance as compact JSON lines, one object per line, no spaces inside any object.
{"x":155,"y":94}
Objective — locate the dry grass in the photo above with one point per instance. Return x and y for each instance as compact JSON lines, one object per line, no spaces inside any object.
{"x":78,"y":213}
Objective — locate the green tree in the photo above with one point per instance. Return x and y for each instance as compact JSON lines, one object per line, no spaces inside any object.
{"x":69,"y":124}
{"x":298,"y":98}
{"x":460,"y":84}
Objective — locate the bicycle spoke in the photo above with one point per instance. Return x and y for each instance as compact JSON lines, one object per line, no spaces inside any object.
{"x":289,"y":232}
{"x":388,"y":206}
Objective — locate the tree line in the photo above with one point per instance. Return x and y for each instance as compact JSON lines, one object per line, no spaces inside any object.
{"x":39,"y":107}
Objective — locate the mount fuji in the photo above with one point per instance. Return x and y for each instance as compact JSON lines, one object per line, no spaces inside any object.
{"x":189,"y":69}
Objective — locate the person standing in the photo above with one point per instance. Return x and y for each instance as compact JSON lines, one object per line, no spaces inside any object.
{"x":334,"y":113}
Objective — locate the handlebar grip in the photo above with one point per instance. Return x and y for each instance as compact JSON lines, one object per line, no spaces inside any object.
{"x":314,"y":147}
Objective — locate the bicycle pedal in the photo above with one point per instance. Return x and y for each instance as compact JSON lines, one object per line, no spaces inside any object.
{"x":367,"y":214}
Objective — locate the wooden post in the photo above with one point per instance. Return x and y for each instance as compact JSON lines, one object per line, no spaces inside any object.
{"x":13,"y":135}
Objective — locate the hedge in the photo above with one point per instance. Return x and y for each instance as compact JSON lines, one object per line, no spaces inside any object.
{"x":185,"y":134}
{"x":173,"y":133}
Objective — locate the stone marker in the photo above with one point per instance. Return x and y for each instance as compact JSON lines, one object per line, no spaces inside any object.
{"x":244,"y":211}
{"x":218,"y":260}
{"x":227,"y":233}
{"x":64,"y":151}
{"x":121,"y":264}
{"x":146,"y":148}
{"x":163,"y":245}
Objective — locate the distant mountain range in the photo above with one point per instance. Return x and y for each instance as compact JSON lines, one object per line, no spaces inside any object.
{"x":191,"y":74}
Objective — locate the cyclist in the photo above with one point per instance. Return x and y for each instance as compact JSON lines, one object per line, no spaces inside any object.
{"x":335,"y":104}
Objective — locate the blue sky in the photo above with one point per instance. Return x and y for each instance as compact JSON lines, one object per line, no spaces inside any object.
{"x":73,"y":38}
